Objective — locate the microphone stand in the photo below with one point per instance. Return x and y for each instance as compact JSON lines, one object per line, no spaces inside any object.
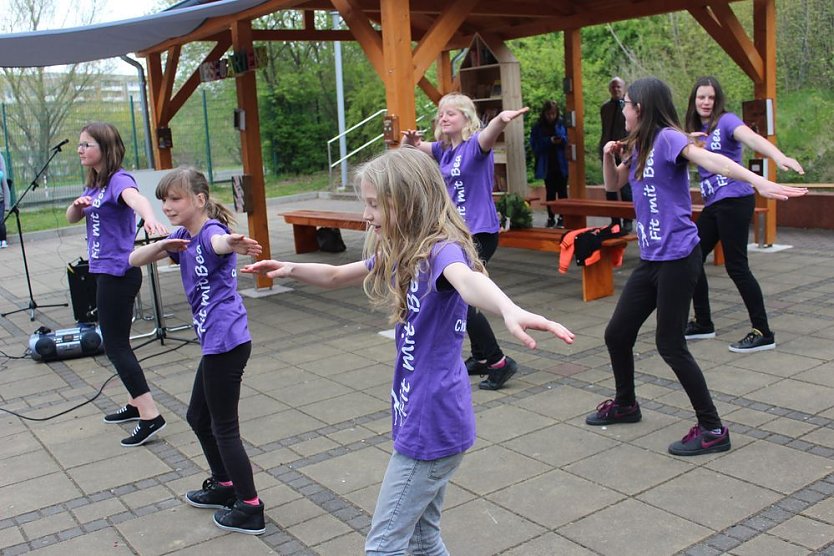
{"x":16,"y":210}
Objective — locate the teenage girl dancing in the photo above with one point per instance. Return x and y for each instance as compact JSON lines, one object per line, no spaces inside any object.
{"x":655,"y":158}
{"x":467,"y":164}
{"x":109,"y":204}
{"x":206,"y":252}
{"x":728,"y":211}
{"x":422,"y":267}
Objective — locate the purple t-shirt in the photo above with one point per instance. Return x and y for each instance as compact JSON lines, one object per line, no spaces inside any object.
{"x":665,"y":231}
{"x":715,"y":187}
{"x":470,"y":174}
{"x":111,"y":226}
{"x":431,"y":400}
{"x":210,"y":282}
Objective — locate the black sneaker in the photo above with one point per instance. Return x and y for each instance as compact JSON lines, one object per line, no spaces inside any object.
{"x":699,"y":441}
{"x":144,"y":431}
{"x":754,"y":341}
{"x":611,"y":413}
{"x":475,"y":367}
{"x":697,"y":331}
{"x":242,"y":518}
{"x":212,"y":495}
{"x":123,"y":415}
{"x":499,"y":376}
{"x":550,"y":223}
{"x":627,"y":226}
{"x":560,"y":222}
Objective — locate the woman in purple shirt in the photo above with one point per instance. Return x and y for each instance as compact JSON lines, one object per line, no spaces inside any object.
{"x":464,"y":153}
{"x":655,"y":158}
{"x":206,"y":252}
{"x":728,"y":212}
{"x":422,"y":267}
{"x":108,"y":205}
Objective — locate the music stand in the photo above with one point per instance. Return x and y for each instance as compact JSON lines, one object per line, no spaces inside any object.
{"x":16,"y":210}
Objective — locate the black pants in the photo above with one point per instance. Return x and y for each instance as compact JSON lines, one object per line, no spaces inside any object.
{"x":115,"y":296}
{"x":212,"y":414}
{"x":728,"y":221}
{"x":484,"y":345}
{"x":666,"y":286}
{"x":556,"y":187}
{"x":2,"y":221}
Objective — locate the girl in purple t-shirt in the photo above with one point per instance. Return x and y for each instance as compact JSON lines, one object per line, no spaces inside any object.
{"x":422,"y":266}
{"x":206,"y":252}
{"x":728,"y":212}
{"x":464,"y":153}
{"x":654,"y":160}
{"x":108,"y":205}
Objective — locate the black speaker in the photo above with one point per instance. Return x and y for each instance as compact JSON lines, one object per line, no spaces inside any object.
{"x":82,"y":287}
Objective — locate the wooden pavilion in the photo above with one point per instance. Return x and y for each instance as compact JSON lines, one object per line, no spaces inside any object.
{"x":403,"y":38}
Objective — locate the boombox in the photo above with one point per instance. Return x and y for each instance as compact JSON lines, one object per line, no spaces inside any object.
{"x":83,"y":340}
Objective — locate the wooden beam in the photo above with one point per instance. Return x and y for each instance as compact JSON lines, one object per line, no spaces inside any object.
{"x":298,"y":35}
{"x":167,"y":85}
{"x":250,"y":144}
{"x":574,"y":103}
{"x":719,"y":21}
{"x":444,"y":72}
{"x":162,"y":157}
{"x":438,"y":35}
{"x":361,"y":29}
{"x":398,"y":74}
{"x":310,"y":20}
{"x":431,"y":91}
{"x":193,"y":80}
{"x":764,"y":37}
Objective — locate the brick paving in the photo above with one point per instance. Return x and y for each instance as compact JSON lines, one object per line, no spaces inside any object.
{"x":315,"y":421}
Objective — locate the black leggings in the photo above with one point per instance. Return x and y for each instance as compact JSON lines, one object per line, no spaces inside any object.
{"x":115,"y":296}
{"x":728,"y":221}
{"x":484,"y":345}
{"x":666,"y":286}
{"x":212,"y":414}
{"x":556,"y":187}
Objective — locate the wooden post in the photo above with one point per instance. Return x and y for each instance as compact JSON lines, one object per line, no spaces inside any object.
{"x":444,"y":73}
{"x":162,"y":157}
{"x":398,"y":62}
{"x":764,"y":38}
{"x":576,"y":133}
{"x":250,"y":144}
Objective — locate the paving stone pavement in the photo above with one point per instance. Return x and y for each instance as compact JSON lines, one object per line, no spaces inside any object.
{"x":315,"y":421}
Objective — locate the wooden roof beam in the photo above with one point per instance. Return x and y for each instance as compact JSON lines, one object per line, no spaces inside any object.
{"x":443,"y":29}
{"x":193,"y":80}
{"x":167,"y":83}
{"x":723,"y":26}
{"x":368,"y":37}
{"x":302,"y":35}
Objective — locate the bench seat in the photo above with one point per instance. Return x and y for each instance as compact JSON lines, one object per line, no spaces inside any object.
{"x":305,"y":222}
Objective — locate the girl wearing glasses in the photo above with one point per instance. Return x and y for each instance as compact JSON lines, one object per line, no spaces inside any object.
{"x":655,"y":157}
{"x":728,"y":212}
{"x":109,"y":204}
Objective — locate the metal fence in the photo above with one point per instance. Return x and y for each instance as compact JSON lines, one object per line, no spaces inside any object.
{"x":202,"y":132}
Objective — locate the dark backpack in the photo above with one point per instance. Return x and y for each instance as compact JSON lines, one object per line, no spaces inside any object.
{"x":330,"y":240}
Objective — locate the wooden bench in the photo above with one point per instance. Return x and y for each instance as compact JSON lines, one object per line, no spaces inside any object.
{"x":597,"y":279}
{"x":305,"y":222}
{"x":575,"y":210}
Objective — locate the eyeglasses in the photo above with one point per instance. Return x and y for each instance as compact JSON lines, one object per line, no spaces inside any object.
{"x":86,"y":145}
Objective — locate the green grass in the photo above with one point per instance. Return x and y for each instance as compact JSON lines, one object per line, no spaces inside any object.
{"x":54,"y":217}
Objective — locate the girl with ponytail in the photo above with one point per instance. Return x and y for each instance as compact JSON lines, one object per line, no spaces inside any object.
{"x":206,"y":251}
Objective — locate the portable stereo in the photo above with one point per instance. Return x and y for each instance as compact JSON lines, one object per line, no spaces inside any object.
{"x":80,"y":341}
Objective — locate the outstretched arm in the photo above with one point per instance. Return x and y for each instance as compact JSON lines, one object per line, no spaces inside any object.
{"x":479,"y":291}
{"x":142,"y":206}
{"x":753,"y":140}
{"x":156,"y":251}
{"x":415,"y":139}
{"x":223,"y":244}
{"x":488,"y":137}
{"x":316,"y":274}
{"x":720,"y":164}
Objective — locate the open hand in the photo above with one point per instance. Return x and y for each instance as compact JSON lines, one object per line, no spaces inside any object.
{"x":412,"y":137}
{"x":243,"y":245}
{"x":83,"y":202}
{"x":509,"y":115}
{"x":270,"y":268}
{"x":777,"y":191}
{"x":173,"y":245}
{"x":519,"y":320}
{"x":155,"y":228}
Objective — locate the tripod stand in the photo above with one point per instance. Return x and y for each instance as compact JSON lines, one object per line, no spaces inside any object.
{"x":16,"y":210}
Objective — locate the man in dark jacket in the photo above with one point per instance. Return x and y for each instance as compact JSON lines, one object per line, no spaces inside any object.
{"x":613,"y":129}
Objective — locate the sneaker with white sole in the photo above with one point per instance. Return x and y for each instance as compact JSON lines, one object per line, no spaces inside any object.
{"x":144,"y":431}
{"x":212,"y":495}
{"x":754,"y":341}
{"x":699,"y":441}
{"x":123,"y":415}
{"x":242,"y":518}
{"x":697,"y":331}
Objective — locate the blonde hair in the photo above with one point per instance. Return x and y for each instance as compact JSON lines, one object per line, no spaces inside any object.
{"x":190,"y":181}
{"x":409,"y":186}
{"x":465,"y":105}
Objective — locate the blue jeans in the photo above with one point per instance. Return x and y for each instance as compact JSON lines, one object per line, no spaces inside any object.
{"x":407,"y":514}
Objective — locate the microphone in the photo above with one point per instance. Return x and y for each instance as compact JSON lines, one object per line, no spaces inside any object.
{"x":59,"y":145}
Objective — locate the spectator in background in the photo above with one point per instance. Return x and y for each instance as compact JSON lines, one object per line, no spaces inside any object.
{"x":548,"y":139}
{"x":613,"y":129}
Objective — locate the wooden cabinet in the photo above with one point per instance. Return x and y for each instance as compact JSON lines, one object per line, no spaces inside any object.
{"x":491,"y":77}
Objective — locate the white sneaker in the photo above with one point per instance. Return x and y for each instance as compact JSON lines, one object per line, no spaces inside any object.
{"x":3,"y":244}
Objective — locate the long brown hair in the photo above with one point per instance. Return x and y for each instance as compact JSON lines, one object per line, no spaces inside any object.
{"x":112,"y":152}
{"x":191,"y":181}
{"x":409,"y":186}
{"x":719,"y":106}
{"x":652,"y":99}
